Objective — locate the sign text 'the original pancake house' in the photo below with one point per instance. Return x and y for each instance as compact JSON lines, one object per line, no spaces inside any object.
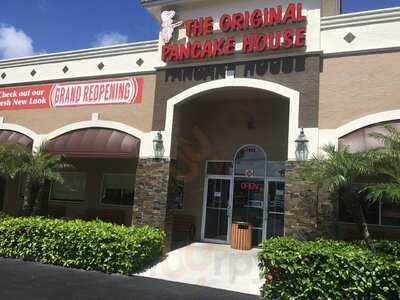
{"x":206,"y":126}
{"x":245,"y":22}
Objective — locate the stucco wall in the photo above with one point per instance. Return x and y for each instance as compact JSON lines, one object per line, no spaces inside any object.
{"x":376,"y":29}
{"x":352,"y":87}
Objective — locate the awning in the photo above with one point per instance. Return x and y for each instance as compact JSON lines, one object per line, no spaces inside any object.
{"x":13,"y":137}
{"x":360,"y":140}
{"x":95,"y":142}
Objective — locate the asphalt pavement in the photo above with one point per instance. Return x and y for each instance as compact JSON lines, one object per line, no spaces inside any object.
{"x":22,"y":280}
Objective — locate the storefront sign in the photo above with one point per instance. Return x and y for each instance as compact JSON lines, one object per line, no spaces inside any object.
{"x":243,"y":21}
{"x":250,"y":186}
{"x":96,"y":92}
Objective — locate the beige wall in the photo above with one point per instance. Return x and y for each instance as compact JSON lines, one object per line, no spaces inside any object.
{"x":330,"y":7}
{"x":352,"y":87}
{"x":215,"y":126}
{"x":43,"y":121}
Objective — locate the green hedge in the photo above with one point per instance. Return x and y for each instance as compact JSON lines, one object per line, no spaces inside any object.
{"x":91,"y":245}
{"x":328,"y":270}
{"x":389,"y":248}
{"x":3,"y":215}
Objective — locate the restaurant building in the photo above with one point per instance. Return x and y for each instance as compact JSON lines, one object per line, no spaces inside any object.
{"x":198,"y":129}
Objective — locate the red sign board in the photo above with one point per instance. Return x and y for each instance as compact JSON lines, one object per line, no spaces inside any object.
{"x":126,"y":90}
{"x":255,"y":42}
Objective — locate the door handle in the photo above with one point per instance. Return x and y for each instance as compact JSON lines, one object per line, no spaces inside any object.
{"x":229,"y":211}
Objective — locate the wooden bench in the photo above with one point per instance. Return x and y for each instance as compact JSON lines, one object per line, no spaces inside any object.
{"x":185,"y":224}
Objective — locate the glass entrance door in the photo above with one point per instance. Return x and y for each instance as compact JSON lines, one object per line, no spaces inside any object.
{"x":249,"y":190}
{"x":248,"y":205}
{"x":276,"y":208}
{"x":217,"y":209}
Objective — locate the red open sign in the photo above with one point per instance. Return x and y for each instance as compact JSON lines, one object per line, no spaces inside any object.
{"x":250,"y":186}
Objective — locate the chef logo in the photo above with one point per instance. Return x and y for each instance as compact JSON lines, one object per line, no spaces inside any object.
{"x":168,"y":26}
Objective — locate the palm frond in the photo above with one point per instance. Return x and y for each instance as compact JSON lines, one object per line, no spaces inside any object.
{"x":390,"y":139}
{"x":12,"y":157}
{"x":337,"y":168}
{"x":385,"y":165}
{"x":380,"y":191}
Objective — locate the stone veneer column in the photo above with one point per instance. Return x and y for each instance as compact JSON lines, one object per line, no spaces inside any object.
{"x":301,"y":219}
{"x":151,"y":206}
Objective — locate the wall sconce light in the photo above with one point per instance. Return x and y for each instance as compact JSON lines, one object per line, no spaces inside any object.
{"x":158,"y":146}
{"x":302,"y":146}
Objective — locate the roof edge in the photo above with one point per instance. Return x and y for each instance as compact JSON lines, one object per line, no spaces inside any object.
{"x":361,"y":18}
{"x":137,"y":47}
{"x":150,"y":3}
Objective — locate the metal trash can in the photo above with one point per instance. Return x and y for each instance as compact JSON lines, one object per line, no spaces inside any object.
{"x":241,"y":236}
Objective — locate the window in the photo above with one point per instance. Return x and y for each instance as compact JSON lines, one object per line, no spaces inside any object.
{"x":250,"y":162}
{"x":21,"y":186}
{"x":390,"y":213}
{"x":118,"y":189}
{"x":276,"y":208}
{"x":3,"y":183}
{"x":179,"y":187}
{"x":276,"y":169}
{"x":385,"y":212}
{"x":72,"y":189}
{"x":219,"y":168}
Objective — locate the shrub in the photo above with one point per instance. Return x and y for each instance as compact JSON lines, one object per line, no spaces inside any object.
{"x":91,"y":245}
{"x":327,"y":270}
{"x":390,"y":248}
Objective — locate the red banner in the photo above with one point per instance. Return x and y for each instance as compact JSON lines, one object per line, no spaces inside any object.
{"x":95,"y":92}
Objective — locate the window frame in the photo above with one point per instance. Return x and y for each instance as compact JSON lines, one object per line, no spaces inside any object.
{"x":369,"y":224}
{"x":218,"y":161}
{"x":265,"y":159}
{"x":77,"y":202}
{"x":380,"y":217}
{"x":280,"y":180}
{"x":101,"y":203}
{"x":21,"y":186}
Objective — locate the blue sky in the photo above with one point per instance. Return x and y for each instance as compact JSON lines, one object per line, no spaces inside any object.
{"x":45,"y":26}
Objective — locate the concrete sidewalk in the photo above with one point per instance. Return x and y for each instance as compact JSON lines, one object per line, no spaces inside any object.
{"x":211,"y":265}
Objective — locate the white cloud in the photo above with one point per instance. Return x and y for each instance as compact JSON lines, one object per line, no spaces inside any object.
{"x":111,"y":38}
{"x":14,"y":43}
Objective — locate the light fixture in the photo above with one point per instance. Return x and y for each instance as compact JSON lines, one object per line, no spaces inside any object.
{"x":158,"y":146}
{"x":302,"y":146}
